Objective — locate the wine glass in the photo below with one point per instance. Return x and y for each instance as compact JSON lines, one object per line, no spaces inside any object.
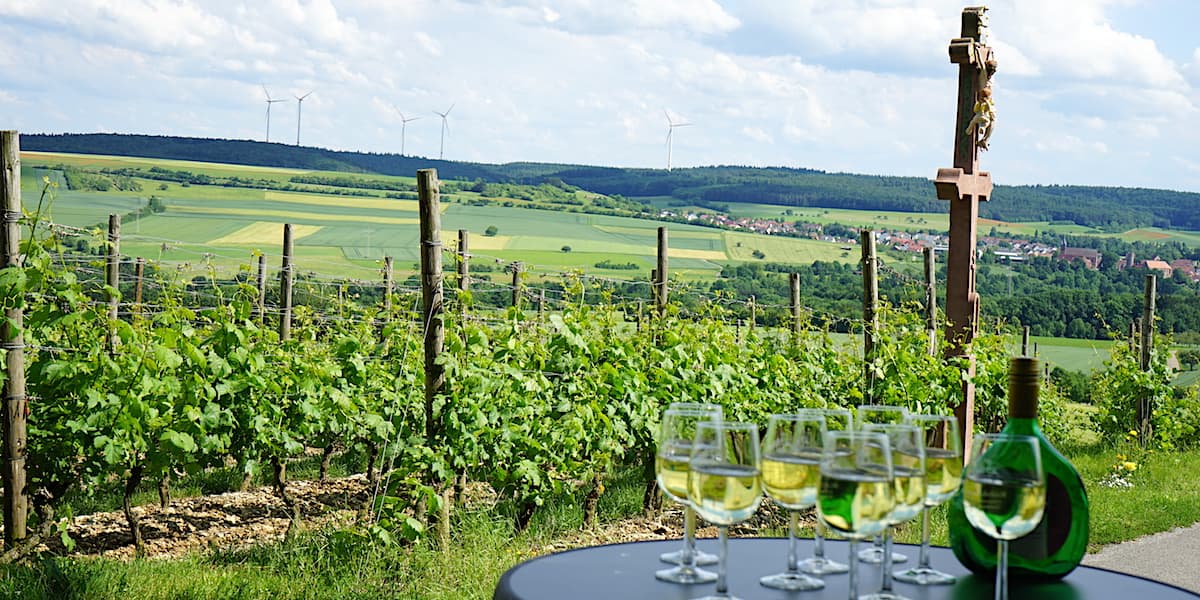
{"x":908,"y":470}
{"x":671,"y":472}
{"x":1004,"y":493}
{"x":857,"y":492}
{"x":878,"y":413}
{"x":791,"y":468}
{"x":724,"y":482}
{"x":836,"y":419}
{"x":943,"y":475}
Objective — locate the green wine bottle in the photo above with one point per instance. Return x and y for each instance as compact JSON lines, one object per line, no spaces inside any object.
{"x":1060,"y":541}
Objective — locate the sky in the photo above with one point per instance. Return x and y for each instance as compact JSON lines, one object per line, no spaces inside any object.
{"x":1090,"y":92}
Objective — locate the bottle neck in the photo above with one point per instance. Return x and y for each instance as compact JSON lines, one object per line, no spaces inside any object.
{"x":1022,"y":426}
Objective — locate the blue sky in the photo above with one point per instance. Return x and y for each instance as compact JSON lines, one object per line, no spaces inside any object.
{"x":1100,"y":92}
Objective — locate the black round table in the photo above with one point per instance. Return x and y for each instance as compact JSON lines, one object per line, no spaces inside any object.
{"x":626,"y":572}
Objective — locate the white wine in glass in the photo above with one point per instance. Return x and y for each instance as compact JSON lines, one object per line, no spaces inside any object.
{"x":791,"y":470}
{"x":879,"y":414}
{"x":1004,"y":493}
{"x":943,"y":476}
{"x":857,"y":492}
{"x":908,"y":470}
{"x":836,"y":419}
{"x":725,"y":484}
{"x":671,"y":466}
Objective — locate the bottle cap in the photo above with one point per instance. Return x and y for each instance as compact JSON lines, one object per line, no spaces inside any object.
{"x":1024,"y":377}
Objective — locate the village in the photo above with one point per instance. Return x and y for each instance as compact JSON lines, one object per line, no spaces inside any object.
{"x":1005,"y":249}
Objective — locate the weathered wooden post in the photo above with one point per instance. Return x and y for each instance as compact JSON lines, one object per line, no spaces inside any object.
{"x":870,"y":266}
{"x":112,"y":277}
{"x":660,"y":297}
{"x":432,"y":299}
{"x":1144,"y":408}
{"x":260,"y":306}
{"x":753,"y":312}
{"x":287,"y":279}
{"x":931,"y":300}
{"x":388,"y":284}
{"x":139,"y":274}
{"x":16,"y":496}
{"x":464,"y":267}
{"x":964,"y":186}
{"x":794,"y":282}
{"x":516,"y":285}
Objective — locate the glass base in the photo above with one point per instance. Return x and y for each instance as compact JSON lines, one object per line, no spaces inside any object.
{"x":685,"y":575}
{"x":701,"y":558}
{"x":924,"y":576}
{"x":882,"y":595}
{"x":823,"y":566}
{"x":874,"y":556}
{"x":792,"y":582}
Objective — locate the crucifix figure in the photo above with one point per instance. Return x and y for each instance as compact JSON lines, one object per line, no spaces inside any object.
{"x":964,"y":186}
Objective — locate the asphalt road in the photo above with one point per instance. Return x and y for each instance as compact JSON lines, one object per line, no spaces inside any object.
{"x":1172,"y":557}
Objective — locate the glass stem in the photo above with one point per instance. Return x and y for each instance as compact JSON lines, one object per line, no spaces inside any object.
{"x":886,"y":584}
{"x":853,"y":563}
{"x":793,"y":564}
{"x":722,"y":585}
{"x":923,"y":563}
{"x":689,"y":536}
{"x":819,"y":540}
{"x":1001,"y":570}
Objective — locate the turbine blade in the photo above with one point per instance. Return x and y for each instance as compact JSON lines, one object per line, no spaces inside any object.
{"x":264,"y":87}
{"x":450,"y":109}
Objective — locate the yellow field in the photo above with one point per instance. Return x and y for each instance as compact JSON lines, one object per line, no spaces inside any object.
{"x":346,"y":201}
{"x":264,"y":232}
{"x":286,"y":215}
{"x":480,"y":242}
{"x":701,"y":254}
{"x":741,"y":246}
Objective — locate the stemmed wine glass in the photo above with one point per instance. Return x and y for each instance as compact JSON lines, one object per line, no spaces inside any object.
{"x":943,"y":475}
{"x":878,"y":413}
{"x":671,"y":466}
{"x":1004,"y":493}
{"x":836,"y":419}
{"x":908,"y":469}
{"x":791,"y":468}
{"x":857,"y":492}
{"x":724,"y":483}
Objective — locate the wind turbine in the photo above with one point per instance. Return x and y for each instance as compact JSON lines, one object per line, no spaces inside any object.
{"x":299,"y":108}
{"x":671,"y":125}
{"x":445,"y":128}
{"x":270,"y":101}
{"x":404,"y":124}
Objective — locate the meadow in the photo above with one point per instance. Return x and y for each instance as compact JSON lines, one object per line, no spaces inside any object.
{"x":349,"y":235}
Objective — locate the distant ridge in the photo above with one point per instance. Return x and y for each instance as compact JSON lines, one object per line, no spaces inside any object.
{"x":1108,"y":208}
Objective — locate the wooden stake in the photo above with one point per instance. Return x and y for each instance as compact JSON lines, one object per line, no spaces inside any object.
{"x":1025,"y":341}
{"x":16,"y":496}
{"x":870,"y":311}
{"x":931,"y":322}
{"x":260,"y":307}
{"x":516,"y":285}
{"x":431,"y":293}
{"x":660,"y":298}
{"x":286,"y":279}
{"x":112,"y":277}
{"x":794,"y":281}
{"x":1144,"y":408}
{"x":387,"y":284}
{"x":139,"y":273}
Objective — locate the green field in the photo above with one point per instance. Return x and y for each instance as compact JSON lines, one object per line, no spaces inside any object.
{"x":349,"y":235}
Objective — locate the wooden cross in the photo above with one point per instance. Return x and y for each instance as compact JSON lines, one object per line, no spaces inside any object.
{"x":964,"y":185}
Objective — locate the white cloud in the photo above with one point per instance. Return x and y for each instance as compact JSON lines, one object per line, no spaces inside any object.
{"x":758,"y":134}
{"x":428,"y":44}
{"x":6,"y":97}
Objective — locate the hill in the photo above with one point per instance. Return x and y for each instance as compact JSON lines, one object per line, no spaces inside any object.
{"x":1108,"y":208}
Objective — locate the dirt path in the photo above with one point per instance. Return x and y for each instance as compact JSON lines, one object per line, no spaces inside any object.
{"x":235,"y":519}
{"x":240,"y":519}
